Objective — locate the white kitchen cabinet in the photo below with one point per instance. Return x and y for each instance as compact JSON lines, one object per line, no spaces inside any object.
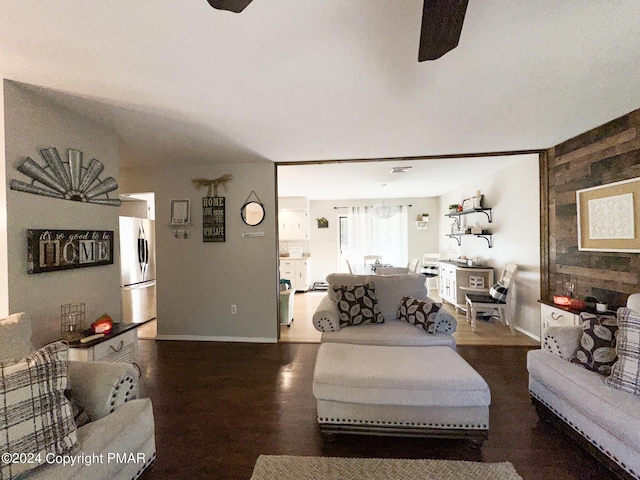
{"x":296,"y":270}
{"x":553,"y":317}
{"x":458,"y":280}
{"x":293,"y":224}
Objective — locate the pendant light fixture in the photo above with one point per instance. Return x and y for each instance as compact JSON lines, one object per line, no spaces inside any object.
{"x":384,"y":210}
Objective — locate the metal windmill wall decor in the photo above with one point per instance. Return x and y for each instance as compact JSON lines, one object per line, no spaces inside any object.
{"x":66,"y":180}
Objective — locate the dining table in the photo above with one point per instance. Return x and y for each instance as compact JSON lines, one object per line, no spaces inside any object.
{"x":366,"y":268}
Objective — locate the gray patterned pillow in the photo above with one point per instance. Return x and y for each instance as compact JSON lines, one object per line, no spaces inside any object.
{"x":420,"y":313}
{"x":357,"y":304}
{"x":597,"y":350}
{"x":35,"y":416}
{"x":625,"y":374}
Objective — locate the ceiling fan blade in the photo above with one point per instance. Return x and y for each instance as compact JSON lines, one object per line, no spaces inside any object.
{"x":441,"y":27}
{"x":235,"y":6}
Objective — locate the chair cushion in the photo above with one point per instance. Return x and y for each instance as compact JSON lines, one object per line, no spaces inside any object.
{"x":421,"y":313}
{"x":357,"y":304}
{"x":625,"y":374}
{"x":35,"y":416}
{"x":392,"y":332}
{"x":597,"y":350}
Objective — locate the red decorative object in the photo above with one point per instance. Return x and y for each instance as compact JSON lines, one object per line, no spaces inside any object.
{"x":102,"y":325}
{"x":577,"y":304}
{"x":561,"y":300}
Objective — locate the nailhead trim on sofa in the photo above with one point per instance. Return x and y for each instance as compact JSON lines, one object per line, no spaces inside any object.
{"x":583,"y":434}
{"x":127,"y":386}
{"x":411,"y":424}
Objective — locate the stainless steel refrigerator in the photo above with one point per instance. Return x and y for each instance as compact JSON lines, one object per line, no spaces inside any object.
{"x":137,"y":269}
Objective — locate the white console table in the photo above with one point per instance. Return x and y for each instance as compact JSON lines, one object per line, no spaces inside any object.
{"x":458,"y":279}
{"x":119,"y":346}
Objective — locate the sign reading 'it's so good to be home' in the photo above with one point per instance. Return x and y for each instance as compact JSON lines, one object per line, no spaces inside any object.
{"x":51,"y":250}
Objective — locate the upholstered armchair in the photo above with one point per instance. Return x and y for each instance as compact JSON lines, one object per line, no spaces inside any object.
{"x":87,"y":412}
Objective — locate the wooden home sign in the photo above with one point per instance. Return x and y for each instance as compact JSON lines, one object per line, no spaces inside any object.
{"x":213,"y":219}
{"x":51,"y":250}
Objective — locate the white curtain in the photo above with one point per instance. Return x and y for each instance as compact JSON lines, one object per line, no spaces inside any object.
{"x":368,"y":235}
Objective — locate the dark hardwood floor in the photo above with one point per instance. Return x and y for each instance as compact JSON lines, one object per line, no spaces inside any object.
{"x":219,"y":405}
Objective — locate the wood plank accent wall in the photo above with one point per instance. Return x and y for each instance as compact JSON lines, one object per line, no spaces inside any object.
{"x":606,"y":154}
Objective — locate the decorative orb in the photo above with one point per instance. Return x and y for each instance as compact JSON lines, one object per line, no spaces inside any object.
{"x":384,"y":210}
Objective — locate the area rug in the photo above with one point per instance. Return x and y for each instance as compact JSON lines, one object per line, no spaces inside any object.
{"x":287,"y":467}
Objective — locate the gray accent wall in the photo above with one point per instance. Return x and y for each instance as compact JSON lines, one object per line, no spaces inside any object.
{"x":198,"y":282}
{"x":30,"y":124}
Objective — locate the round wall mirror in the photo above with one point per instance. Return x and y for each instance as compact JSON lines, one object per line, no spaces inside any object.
{"x":252,"y":213}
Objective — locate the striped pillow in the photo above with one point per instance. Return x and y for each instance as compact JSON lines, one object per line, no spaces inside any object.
{"x":498,"y":292}
{"x":625,"y":374}
{"x":35,"y":416}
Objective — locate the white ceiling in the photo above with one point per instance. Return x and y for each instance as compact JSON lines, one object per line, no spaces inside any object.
{"x":298,"y":80}
{"x":362,"y":180}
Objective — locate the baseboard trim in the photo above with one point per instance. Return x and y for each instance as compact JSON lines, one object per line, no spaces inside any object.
{"x":206,"y":338}
{"x":528,"y":334}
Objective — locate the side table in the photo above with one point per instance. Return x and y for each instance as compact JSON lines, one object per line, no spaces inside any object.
{"x":118,"y":346}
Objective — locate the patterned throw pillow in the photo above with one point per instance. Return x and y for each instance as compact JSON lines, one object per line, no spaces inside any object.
{"x":420,"y":313}
{"x":498,"y":292}
{"x":357,"y":304}
{"x":35,"y":416}
{"x":597,"y":350}
{"x":625,"y":374}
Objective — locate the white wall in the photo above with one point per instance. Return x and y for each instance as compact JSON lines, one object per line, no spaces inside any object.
{"x":32,"y":123}
{"x":198,"y":282}
{"x":514,"y":195}
{"x":324,"y":242}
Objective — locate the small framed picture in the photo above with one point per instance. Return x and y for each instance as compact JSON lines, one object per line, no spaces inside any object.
{"x":180,"y":212}
{"x":467,"y":204}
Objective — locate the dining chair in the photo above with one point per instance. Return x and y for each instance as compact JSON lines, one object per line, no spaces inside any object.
{"x":499,"y":300}
{"x":348,"y":265}
{"x":431,"y":270}
{"x":372,"y":258}
{"x":413,"y":265}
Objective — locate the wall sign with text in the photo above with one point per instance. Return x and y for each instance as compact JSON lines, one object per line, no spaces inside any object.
{"x":213,"y":219}
{"x":51,"y":250}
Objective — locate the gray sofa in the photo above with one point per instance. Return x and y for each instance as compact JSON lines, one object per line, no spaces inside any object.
{"x":389,"y":293}
{"x":602,"y":419}
{"x":119,"y":440}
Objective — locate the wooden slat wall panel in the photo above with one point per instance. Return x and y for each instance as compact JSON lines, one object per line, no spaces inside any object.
{"x":609,"y":153}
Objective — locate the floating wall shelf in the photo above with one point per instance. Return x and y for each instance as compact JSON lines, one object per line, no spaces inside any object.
{"x":486,"y":236}
{"x":456,"y":215}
